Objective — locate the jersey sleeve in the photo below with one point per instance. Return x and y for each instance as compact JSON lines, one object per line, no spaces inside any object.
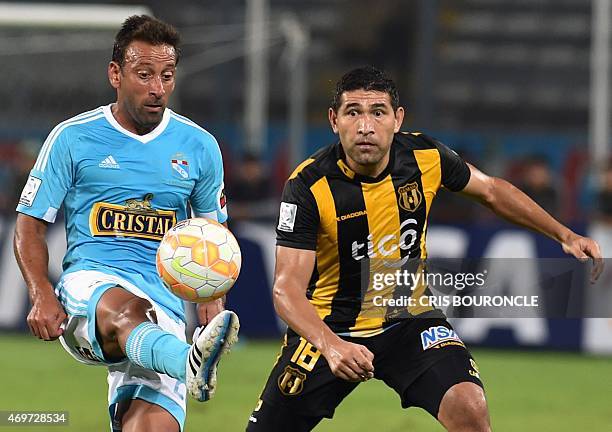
{"x":50,"y":179}
{"x":298,"y":220}
{"x":208,"y":196}
{"x":455,"y":172}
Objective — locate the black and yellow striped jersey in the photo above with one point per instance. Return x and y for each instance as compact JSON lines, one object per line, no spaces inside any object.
{"x":351,"y":220}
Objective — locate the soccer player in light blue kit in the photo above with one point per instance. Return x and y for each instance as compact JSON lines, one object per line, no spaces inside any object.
{"x":125,"y":173}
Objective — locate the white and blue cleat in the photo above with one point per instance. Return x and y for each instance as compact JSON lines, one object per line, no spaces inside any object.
{"x":209,"y":344}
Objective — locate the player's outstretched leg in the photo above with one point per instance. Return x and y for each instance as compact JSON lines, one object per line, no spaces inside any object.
{"x":209,"y":343}
{"x":127,"y":327}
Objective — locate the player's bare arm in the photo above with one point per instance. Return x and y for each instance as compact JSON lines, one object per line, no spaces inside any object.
{"x":349,"y":361}
{"x":47,"y":314}
{"x":515,"y":206}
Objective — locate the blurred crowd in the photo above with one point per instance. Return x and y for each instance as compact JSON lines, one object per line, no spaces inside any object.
{"x":573,"y":192}
{"x":459,"y":66}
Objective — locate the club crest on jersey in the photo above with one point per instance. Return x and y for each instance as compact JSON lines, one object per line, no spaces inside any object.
{"x":180,"y":168}
{"x":439,"y":337}
{"x":291,"y":382}
{"x":409,"y":196}
{"x":135,"y":218}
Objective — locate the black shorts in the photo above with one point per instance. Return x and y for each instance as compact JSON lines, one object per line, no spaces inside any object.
{"x":420,"y":359}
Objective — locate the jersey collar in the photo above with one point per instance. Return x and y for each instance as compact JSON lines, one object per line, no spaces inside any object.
{"x":142,"y":138}
{"x":347,"y":172}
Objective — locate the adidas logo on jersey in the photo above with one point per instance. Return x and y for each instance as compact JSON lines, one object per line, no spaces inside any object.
{"x":109,"y":162}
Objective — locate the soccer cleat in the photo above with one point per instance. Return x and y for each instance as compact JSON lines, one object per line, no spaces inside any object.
{"x":209,"y":343}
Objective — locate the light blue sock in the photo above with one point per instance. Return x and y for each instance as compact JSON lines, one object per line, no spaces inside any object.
{"x":151,"y":347}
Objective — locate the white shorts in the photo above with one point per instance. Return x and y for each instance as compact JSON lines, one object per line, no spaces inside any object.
{"x":79,"y":293}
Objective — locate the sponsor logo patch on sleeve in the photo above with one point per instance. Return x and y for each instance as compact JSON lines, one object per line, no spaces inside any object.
{"x":286,"y":219}
{"x":29,"y":191}
{"x":222,"y":199}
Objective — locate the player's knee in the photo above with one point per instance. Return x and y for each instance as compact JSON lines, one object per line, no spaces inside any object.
{"x":119,"y":311}
{"x":133,"y":312}
{"x":268,"y":417}
{"x":464,"y":408}
{"x":475,"y":418}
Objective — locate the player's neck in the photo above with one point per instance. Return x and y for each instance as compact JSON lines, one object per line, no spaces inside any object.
{"x":127,"y":122}
{"x":373,"y":170}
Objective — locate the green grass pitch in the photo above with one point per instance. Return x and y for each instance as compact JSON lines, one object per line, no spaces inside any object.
{"x":527,"y":391}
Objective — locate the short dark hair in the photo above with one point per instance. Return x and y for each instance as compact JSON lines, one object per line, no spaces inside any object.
{"x":147,"y":29}
{"x":366,"y":78}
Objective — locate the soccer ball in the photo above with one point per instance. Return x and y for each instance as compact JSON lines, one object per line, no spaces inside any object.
{"x":198,"y":260}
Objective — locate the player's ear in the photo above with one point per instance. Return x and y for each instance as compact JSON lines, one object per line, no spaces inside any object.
{"x":114,"y":74}
{"x":399,"y":119}
{"x":333,"y":118}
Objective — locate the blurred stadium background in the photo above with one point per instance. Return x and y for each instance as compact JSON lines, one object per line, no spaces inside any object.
{"x":519,"y":88}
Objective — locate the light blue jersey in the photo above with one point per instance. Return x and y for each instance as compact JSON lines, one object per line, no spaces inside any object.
{"x":121,"y":191}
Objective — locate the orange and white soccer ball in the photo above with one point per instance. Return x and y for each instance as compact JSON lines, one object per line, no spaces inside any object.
{"x":198,"y":260}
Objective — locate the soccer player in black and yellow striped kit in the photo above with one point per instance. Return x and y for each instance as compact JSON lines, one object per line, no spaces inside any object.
{"x":350,"y":206}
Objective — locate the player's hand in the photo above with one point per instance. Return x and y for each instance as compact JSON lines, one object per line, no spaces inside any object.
{"x":349,"y":361}
{"x":46,"y":317}
{"x":584,"y":248}
{"x":207,"y":311}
